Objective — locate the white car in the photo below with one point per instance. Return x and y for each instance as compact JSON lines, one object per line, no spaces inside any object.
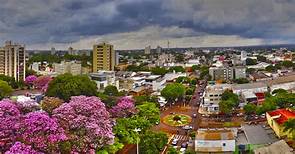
{"x":182,"y":150}
{"x":174,"y":142}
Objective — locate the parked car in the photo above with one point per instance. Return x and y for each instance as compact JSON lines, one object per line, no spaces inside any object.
{"x":187,"y":127}
{"x":194,"y":115}
{"x":182,"y":150}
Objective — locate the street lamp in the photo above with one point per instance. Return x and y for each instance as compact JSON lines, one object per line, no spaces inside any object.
{"x":137,"y":130}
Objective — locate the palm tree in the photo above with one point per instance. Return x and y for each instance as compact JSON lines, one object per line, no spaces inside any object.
{"x":289,"y":126}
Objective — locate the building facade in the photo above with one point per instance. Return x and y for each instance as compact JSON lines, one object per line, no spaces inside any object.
{"x":12,"y":60}
{"x":227,"y":73}
{"x":104,"y":57}
{"x":68,"y":67}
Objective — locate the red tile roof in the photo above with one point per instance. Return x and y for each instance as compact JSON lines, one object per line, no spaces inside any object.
{"x":284,"y":115}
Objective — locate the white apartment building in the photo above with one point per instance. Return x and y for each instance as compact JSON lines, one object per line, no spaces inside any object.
{"x":68,"y":67}
{"x":104,"y":78}
{"x":13,"y":61}
{"x":211,"y":98}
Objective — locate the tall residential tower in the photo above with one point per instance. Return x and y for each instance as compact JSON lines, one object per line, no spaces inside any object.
{"x":12,"y":60}
{"x":104,"y":57}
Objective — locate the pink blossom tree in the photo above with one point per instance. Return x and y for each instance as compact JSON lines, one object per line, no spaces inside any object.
{"x":20,"y":148}
{"x":87,"y":121}
{"x":42,"y":82}
{"x":42,"y":132}
{"x":9,"y":123}
{"x":30,"y":79}
{"x":124,"y":107}
{"x":27,"y":106}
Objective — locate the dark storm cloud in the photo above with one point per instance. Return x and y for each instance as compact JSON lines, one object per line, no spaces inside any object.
{"x":63,"y":21}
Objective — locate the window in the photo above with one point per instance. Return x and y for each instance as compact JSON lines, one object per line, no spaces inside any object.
{"x":223,"y":144}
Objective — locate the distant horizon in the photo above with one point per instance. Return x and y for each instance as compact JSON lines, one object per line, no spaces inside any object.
{"x":246,"y":46}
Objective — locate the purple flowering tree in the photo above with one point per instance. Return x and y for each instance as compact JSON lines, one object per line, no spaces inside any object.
{"x":42,"y":82}
{"x":28,"y":105}
{"x":87,"y":121}
{"x":30,"y":79}
{"x":124,"y":107}
{"x":9,"y":124}
{"x":42,"y":132}
{"x":20,"y":148}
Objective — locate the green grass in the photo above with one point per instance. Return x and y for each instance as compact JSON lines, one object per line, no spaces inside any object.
{"x":184,"y":120}
{"x":231,"y":124}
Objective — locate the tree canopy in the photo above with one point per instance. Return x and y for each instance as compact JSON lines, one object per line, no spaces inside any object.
{"x":152,"y":142}
{"x":111,"y":90}
{"x":66,"y":85}
{"x":250,"y":61}
{"x":5,"y":89}
{"x":173,"y":91}
{"x":159,"y":70}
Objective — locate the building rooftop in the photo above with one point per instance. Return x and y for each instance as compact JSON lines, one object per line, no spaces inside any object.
{"x":215,"y":135}
{"x":275,"y":148}
{"x":256,"y":134}
{"x":282,"y":115}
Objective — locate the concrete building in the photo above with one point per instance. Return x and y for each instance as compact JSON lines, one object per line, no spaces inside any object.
{"x":159,"y":49}
{"x":243,"y":55}
{"x":227,"y":73}
{"x":104,"y":57}
{"x":277,"y":118}
{"x":215,"y":141}
{"x":104,"y":78}
{"x":147,"y":50}
{"x":52,"y":51}
{"x":68,"y":67}
{"x":12,"y":60}
{"x":211,"y":98}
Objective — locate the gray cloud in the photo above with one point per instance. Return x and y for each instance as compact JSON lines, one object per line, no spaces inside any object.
{"x":61,"y":22}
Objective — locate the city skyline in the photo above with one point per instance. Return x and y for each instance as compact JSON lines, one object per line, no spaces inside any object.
{"x":134,"y":24}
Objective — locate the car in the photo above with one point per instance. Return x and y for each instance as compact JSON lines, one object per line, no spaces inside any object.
{"x":172,"y":112}
{"x":182,"y":150}
{"x":194,"y":115}
{"x":187,"y":127}
{"x":184,"y":145}
{"x":174,"y":142}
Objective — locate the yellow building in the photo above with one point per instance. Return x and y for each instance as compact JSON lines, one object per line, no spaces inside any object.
{"x":104,"y":57}
{"x":277,"y":118}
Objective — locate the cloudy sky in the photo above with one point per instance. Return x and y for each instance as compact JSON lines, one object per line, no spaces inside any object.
{"x":132,"y":24}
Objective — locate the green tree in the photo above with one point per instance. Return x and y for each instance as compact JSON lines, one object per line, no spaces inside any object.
{"x":225,"y":106}
{"x":113,"y":148}
{"x":159,"y":71}
{"x":250,"y":61}
{"x":176,"y":69}
{"x":10,"y":80}
{"x":270,"y":68}
{"x":139,"y":100}
{"x":195,"y":67}
{"x":111,"y":90}
{"x":250,"y":70}
{"x":5,"y":89}
{"x":287,"y":64}
{"x":124,"y":128}
{"x":250,"y":108}
{"x":241,"y":80}
{"x":261,"y":58}
{"x":150,"y":112}
{"x":279,"y":91}
{"x":172,"y":150}
{"x":289,"y":126}
{"x":190,"y":151}
{"x":152,"y":142}
{"x":173,"y":91}
{"x":66,"y":85}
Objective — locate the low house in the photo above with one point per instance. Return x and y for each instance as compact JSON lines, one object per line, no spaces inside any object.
{"x":277,"y":118}
{"x":215,"y":141}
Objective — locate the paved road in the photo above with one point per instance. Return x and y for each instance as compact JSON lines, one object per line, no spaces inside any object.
{"x":190,"y":108}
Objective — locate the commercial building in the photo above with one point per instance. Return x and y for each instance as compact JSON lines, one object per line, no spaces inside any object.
{"x":104,"y":79}
{"x":147,"y":50}
{"x":12,"y":60}
{"x":211,"y":98}
{"x":227,"y":73}
{"x":215,"y":141}
{"x":68,"y":67}
{"x":104,"y":57}
{"x":277,"y":118}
